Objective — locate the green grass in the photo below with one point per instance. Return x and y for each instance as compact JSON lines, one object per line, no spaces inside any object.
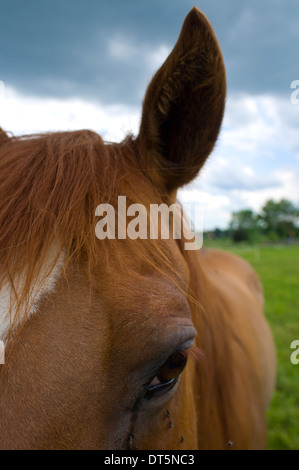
{"x":278,"y":269}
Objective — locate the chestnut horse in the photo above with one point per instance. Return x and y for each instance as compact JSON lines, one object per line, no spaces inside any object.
{"x":121,"y":343}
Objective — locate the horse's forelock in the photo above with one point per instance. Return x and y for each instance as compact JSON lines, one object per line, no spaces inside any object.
{"x":50,"y":186}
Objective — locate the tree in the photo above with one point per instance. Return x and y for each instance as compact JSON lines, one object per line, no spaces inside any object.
{"x":244,"y":225}
{"x":280,"y":217}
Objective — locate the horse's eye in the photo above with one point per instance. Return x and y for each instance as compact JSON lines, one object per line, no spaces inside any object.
{"x":168,"y":374}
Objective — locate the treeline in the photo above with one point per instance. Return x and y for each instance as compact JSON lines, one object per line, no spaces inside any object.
{"x":277,"y":221}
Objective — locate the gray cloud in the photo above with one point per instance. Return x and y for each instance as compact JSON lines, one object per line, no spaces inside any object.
{"x":61,"y":48}
{"x":230,"y":181}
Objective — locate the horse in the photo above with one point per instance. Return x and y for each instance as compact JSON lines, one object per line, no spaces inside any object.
{"x":120,"y":343}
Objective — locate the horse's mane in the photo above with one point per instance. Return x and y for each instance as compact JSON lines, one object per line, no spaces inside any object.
{"x":215,"y":366}
{"x":50,"y":186}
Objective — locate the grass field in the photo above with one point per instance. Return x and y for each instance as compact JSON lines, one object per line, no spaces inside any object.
{"x":278,"y":268}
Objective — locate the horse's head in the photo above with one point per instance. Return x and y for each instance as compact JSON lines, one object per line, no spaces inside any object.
{"x":101,"y":364}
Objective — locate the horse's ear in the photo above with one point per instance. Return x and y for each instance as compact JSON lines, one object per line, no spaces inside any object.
{"x":183,"y":106}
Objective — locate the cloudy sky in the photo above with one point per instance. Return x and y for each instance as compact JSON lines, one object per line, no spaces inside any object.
{"x":71,"y":64}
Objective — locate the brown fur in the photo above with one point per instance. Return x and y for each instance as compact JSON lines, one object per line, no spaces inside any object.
{"x":74,"y":370}
{"x":184,"y":106}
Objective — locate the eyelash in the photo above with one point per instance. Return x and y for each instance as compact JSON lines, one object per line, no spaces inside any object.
{"x":160,"y":389}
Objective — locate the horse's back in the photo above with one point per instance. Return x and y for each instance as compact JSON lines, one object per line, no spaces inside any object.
{"x":236,"y":271}
{"x":238,"y":282}
{"x":239,"y":292}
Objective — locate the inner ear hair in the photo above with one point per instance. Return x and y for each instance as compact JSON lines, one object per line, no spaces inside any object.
{"x":183,"y":106}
